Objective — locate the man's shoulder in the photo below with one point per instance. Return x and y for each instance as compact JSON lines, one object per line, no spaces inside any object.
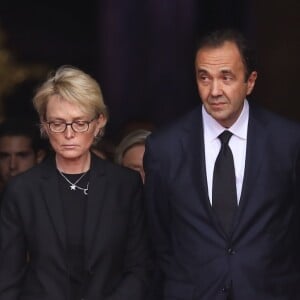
{"x":189,"y":121}
{"x":273,"y":120}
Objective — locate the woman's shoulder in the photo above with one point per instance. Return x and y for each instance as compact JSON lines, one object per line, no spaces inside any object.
{"x":111,"y":169}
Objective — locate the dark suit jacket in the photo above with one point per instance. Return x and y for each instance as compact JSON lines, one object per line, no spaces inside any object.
{"x":114,"y":236}
{"x":260,"y":260}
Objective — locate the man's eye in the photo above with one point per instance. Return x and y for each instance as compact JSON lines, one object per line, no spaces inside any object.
{"x":228,"y":77}
{"x":24,"y":154}
{"x":4,"y":156}
{"x":203,"y":77}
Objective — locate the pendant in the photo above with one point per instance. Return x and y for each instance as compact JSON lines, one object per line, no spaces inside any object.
{"x":85,"y":191}
{"x":73,"y":187}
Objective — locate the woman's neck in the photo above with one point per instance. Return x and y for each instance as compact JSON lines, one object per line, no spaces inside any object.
{"x":73,"y":165}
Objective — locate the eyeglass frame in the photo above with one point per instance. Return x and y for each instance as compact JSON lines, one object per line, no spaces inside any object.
{"x":70,"y":124}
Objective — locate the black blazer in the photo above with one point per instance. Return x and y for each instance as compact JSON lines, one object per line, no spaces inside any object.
{"x":114,"y":236}
{"x":198,"y":261}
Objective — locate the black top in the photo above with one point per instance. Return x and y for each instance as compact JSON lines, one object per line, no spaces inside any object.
{"x":74,"y":205}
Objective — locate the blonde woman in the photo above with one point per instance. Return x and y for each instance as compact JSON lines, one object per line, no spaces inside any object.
{"x":79,"y":217}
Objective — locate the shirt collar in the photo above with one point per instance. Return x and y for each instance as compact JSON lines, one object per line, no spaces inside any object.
{"x":212,"y":129}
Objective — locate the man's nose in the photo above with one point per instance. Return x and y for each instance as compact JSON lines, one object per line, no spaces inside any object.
{"x":13,"y":162}
{"x":216,"y":88}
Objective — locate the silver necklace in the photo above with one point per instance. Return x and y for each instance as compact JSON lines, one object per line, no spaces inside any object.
{"x":74,"y":185}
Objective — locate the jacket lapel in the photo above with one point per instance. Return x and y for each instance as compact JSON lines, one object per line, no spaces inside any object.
{"x":256,"y":138}
{"x":96,"y":198}
{"x":193,"y":145}
{"x":50,"y":190}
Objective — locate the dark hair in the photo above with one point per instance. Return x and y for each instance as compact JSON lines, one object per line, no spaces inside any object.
{"x":23,"y":127}
{"x":217,"y":38}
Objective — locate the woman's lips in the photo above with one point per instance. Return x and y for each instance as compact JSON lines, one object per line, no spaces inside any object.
{"x":69,"y":146}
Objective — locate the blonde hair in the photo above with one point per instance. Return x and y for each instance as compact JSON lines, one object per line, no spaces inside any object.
{"x":136,"y":137}
{"x":72,"y":85}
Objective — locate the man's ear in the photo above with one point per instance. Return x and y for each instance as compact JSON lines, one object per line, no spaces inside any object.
{"x":251,"y":82}
{"x":40,"y":155}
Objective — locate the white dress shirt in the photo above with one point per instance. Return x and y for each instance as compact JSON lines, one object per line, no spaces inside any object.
{"x":237,"y":144}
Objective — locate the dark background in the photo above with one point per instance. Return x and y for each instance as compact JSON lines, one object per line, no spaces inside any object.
{"x":142,"y":52}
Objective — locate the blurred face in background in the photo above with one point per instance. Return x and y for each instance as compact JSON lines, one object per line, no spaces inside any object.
{"x":133,"y":159}
{"x":16,"y":156}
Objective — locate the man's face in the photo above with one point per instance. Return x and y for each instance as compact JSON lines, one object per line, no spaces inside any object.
{"x":16,"y":156}
{"x":221,"y":82}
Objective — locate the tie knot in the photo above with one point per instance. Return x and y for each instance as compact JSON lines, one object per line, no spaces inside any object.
{"x":225,"y":137}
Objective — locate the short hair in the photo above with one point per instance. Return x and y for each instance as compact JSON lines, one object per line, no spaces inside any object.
{"x":217,"y":38}
{"x":72,"y":85}
{"x":136,"y":137}
{"x":21,"y":127}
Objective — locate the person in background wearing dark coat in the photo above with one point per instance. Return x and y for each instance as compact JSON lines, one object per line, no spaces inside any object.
{"x":21,"y":148}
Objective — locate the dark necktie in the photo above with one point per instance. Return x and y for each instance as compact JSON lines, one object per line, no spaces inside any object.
{"x":224,"y":197}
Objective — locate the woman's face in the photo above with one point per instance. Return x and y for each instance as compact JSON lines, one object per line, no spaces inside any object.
{"x":70,"y":145}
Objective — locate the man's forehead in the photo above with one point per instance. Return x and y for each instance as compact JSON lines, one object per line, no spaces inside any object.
{"x":15,"y":141}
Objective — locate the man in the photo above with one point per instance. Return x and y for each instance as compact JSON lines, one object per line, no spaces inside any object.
{"x":20,"y":148}
{"x":212,"y":240}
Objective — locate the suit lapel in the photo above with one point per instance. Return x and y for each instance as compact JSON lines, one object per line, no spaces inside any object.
{"x":95,"y":203}
{"x":193,"y":145}
{"x":256,"y":138}
{"x":50,"y":189}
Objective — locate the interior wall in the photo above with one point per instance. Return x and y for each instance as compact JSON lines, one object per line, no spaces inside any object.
{"x":277,"y":33}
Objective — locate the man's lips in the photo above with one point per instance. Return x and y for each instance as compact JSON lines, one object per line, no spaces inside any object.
{"x":217,"y":104}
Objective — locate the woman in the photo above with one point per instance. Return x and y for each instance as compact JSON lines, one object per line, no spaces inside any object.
{"x":130,"y":151}
{"x":73,"y":227}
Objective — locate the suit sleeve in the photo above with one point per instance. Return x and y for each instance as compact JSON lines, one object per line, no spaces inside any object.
{"x":135,"y":281}
{"x":12,"y":248}
{"x":297,"y":205}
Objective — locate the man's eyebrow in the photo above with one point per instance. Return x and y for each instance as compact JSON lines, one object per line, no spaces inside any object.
{"x":201,"y":70}
{"x":226,"y":71}
{"x":23,"y":151}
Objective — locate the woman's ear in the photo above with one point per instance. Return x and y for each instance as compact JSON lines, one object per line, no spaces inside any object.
{"x":101,"y":122}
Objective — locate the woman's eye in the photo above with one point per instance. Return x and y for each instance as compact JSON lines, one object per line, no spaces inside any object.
{"x":56,"y":124}
{"x":80,"y":123}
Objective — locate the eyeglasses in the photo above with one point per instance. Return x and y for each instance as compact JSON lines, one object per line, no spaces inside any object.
{"x":77,"y":126}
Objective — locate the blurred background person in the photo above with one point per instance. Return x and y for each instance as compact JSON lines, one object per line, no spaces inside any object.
{"x":104,"y":148}
{"x":20,"y":148}
{"x":79,"y":217}
{"x":130,"y":151}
